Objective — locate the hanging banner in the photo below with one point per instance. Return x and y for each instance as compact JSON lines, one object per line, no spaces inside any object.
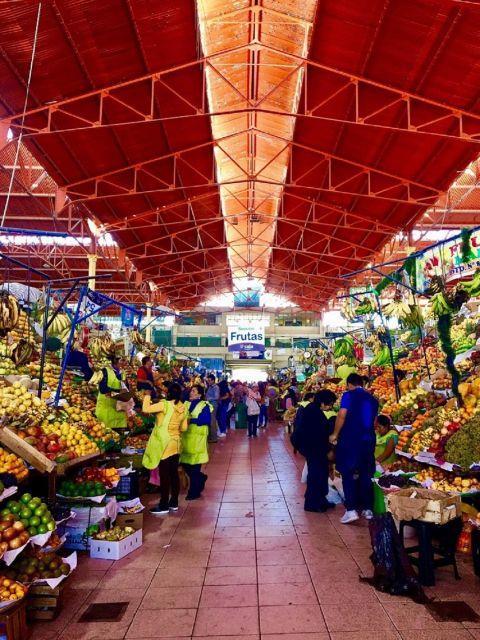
{"x":246,"y":339}
{"x":128,"y":317}
{"x":92,"y":302}
{"x":448,"y":260}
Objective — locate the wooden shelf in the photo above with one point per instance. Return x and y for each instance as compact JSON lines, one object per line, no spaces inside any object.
{"x":66,"y":466}
{"x":26,"y":451}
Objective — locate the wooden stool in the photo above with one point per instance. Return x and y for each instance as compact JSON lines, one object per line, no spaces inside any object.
{"x":433,"y":540}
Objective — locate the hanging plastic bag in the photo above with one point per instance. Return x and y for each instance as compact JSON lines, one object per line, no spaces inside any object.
{"x":304,"y":474}
{"x":154,"y":477}
{"x":334,"y":494}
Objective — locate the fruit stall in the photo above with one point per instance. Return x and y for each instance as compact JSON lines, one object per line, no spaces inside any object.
{"x":62,"y":482}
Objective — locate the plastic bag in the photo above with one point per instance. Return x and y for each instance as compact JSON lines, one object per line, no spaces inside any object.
{"x":334,"y":494}
{"x":304,"y":474}
{"x":393,"y":572}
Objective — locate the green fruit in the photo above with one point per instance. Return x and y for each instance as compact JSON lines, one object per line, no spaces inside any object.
{"x":45,"y":519}
{"x":42,"y":528}
{"x":39,"y":511}
{"x":51,"y":526}
{"x":32,"y":505}
{"x":4,"y":513}
{"x":25,"y":513}
{"x":37,"y":501}
{"x":26,"y":498}
{"x":13,"y":506}
{"x":32,"y":531}
{"x":34,"y":521}
{"x":25,"y":523}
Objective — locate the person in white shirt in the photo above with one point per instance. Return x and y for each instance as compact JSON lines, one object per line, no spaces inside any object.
{"x":252,"y":400}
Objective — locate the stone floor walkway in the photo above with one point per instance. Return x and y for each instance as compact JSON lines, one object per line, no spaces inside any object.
{"x":247,"y":562}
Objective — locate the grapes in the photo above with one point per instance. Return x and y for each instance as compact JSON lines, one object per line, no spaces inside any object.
{"x":463,"y":448}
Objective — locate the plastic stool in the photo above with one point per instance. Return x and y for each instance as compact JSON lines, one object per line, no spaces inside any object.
{"x":445,"y":537}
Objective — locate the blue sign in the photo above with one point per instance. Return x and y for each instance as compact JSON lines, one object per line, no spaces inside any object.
{"x":247,"y":299}
{"x":127,"y":316}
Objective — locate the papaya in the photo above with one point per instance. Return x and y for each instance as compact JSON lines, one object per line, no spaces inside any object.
{"x":464,"y":389}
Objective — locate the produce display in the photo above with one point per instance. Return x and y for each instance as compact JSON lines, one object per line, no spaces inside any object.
{"x":108,"y":477}
{"x":389,"y":480}
{"x":10,"y":463}
{"x":35,"y":565}
{"x":11,"y":590}
{"x":410,"y":405}
{"x":81,"y":489}
{"x":13,"y":534}
{"x":463,"y":448}
{"x":115,"y":534}
{"x":137,"y":442}
{"x":440,"y":480}
{"x":32,"y":513}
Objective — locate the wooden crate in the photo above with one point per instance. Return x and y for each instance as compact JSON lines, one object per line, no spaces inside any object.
{"x":427,"y":505}
{"x":44,"y":603}
{"x":13,"y":623}
{"x":26,"y":451}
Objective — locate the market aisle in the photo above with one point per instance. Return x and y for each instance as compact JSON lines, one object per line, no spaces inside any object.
{"x":247,"y":560}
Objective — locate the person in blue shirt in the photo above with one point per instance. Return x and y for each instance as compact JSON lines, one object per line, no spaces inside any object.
{"x":354,"y":435}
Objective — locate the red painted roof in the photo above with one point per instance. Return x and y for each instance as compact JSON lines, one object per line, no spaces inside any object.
{"x":119,"y":90}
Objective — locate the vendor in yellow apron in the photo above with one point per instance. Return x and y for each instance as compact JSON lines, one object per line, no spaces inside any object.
{"x":195,"y":441}
{"x":106,"y":410}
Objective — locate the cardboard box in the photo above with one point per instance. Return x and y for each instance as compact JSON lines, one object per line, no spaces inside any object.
{"x":424,"y":504}
{"x":107,"y":550}
{"x":134,"y":520}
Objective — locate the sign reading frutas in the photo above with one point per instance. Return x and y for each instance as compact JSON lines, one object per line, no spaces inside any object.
{"x":246,"y":338}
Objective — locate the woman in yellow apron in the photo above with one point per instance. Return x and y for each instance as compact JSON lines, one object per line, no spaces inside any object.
{"x":194,"y":441}
{"x":111,"y":384}
{"x":164,"y":445}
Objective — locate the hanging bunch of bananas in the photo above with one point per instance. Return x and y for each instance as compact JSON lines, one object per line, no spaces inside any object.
{"x":59,"y":327}
{"x":440,"y":304}
{"x":136,"y":338}
{"x":365,"y":308}
{"x":346,"y":311}
{"x":343,"y":351}
{"x":374,"y":343}
{"x":382,"y":357}
{"x":9,"y":312}
{"x":398,"y":308}
{"x":457,"y":297}
{"x":22,"y":352}
{"x":414,"y":319}
{"x":102,"y":347}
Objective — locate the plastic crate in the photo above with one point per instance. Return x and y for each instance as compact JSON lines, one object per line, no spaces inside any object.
{"x":128,"y":486}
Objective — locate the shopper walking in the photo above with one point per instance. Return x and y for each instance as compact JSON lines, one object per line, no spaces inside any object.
{"x":222,"y":409}
{"x":264,"y":404}
{"x":252,"y":401}
{"x":311,"y":438}
{"x":354,"y":435}
{"x":194,"y":441}
{"x":163,"y":447}
{"x":212,"y":396}
{"x":110,"y":385}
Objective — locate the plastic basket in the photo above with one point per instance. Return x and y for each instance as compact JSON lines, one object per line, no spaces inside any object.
{"x":128,"y":486}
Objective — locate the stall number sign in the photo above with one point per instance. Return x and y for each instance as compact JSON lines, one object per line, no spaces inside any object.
{"x":246,"y":338}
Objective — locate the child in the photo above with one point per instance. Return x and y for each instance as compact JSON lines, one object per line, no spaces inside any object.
{"x":387,"y":439}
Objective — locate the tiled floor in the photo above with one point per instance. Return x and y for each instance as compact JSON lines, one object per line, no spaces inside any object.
{"x":247,"y":562}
